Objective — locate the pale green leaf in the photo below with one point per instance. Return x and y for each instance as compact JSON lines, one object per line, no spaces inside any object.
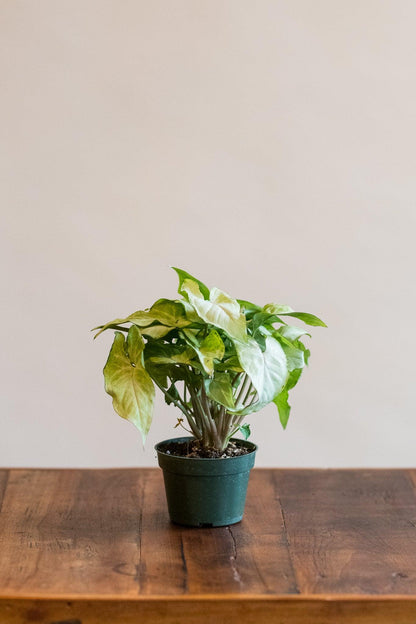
{"x":156,"y":331}
{"x":277,"y":308}
{"x":267,"y":369}
{"x":141,"y":318}
{"x":127,"y":381}
{"x":164,"y":311}
{"x":221,"y":310}
{"x":211,"y":348}
{"x":225,"y":302}
{"x":190,"y":313}
{"x":170,"y":313}
{"x":295,"y":357}
{"x":191,"y":337}
{"x":291,"y":332}
{"x":183,"y":357}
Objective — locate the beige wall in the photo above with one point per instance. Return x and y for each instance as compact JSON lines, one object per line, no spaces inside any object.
{"x":268,"y":147}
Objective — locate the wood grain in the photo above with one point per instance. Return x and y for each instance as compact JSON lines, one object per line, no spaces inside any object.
{"x":315,"y":546}
{"x":4,"y":477}
{"x":350,"y":531}
{"x":215,"y":611}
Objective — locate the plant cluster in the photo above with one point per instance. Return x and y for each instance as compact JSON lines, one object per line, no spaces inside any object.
{"x":217,"y":359}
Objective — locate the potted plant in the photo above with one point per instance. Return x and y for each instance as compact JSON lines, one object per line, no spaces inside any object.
{"x":216,"y":359}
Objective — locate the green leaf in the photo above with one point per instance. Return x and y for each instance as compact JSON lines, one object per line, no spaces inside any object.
{"x":170,"y":313}
{"x":167,"y":356}
{"x":284,"y":310}
{"x":165,"y":311}
{"x":221,"y":310}
{"x":211,"y":348}
{"x":128,"y":382}
{"x":263,"y":319}
{"x":267,"y":370}
{"x":230,"y":364}
{"x":291,"y":332}
{"x":190,"y":313}
{"x":294,"y":356}
{"x":176,"y":357}
{"x":110,"y":325}
{"x":281,"y":401}
{"x":183,"y":275}
{"x":156,"y":331}
{"x":139,"y":318}
{"x":277,"y":308}
{"x":245,"y":430}
{"x":219,"y":389}
{"x":309,"y":319}
{"x":293,"y":378}
{"x":172,"y":394}
{"x":248,"y":306}
{"x":158,"y":372}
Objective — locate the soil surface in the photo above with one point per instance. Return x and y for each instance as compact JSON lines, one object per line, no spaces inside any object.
{"x":194,"y":448}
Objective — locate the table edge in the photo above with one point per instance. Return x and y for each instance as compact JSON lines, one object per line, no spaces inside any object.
{"x":215,"y":597}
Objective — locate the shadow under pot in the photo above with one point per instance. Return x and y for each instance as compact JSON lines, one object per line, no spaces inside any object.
{"x":205,"y":492}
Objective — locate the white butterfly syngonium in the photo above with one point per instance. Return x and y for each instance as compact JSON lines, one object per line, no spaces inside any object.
{"x":215,"y":358}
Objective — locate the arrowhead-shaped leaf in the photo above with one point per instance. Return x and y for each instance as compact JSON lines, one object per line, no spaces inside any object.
{"x":156,"y":331}
{"x":176,"y":357}
{"x":309,"y":319}
{"x":267,"y":369}
{"x":248,"y":306}
{"x":209,"y":349}
{"x":246,"y":431}
{"x":165,"y":311}
{"x":220,"y":310}
{"x":170,"y":313}
{"x":127,"y":381}
{"x":294,"y":355}
{"x":284,"y":310}
{"x":277,"y":308}
{"x":281,"y":400}
{"x":219,"y":389}
{"x":291,"y":332}
{"x":183,"y":275}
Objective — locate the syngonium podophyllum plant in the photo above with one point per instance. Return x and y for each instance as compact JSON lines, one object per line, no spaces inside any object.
{"x":217,"y":359}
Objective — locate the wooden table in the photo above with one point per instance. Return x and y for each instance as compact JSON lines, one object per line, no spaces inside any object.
{"x":315,"y":546}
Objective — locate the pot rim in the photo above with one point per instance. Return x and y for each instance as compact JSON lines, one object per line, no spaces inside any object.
{"x":253,"y":448}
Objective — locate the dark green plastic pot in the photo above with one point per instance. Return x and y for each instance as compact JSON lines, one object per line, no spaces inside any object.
{"x":205,"y":492}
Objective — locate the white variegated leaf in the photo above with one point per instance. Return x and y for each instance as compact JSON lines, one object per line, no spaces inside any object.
{"x":267,"y":370}
{"x":220,"y":310}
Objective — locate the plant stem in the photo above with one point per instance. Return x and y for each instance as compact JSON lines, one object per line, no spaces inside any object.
{"x":242,"y":389}
{"x":200,"y":416}
{"x":183,"y":408}
{"x":214,"y":440}
{"x":220,"y":421}
{"x":250,"y":388}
